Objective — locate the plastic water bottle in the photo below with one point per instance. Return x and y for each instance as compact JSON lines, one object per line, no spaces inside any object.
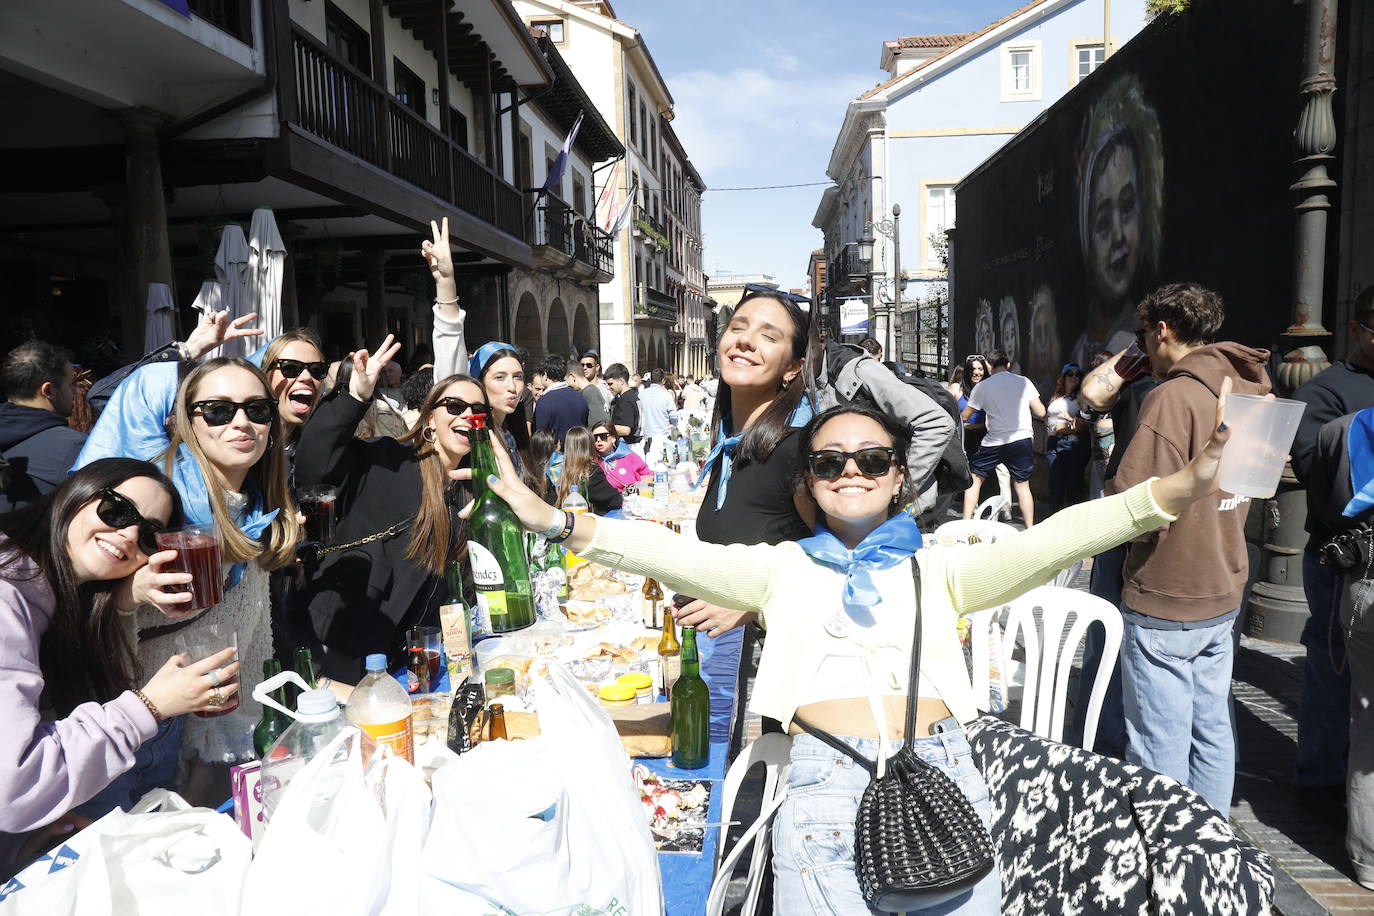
{"x":660,"y":479}
{"x":380,"y":706}
{"x":317,"y":721}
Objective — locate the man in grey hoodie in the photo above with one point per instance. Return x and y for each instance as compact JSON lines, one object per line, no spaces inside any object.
{"x":40,"y":387}
{"x":1183,"y":584}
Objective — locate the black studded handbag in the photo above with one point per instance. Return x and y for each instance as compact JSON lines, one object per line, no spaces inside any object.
{"x":917,"y":839}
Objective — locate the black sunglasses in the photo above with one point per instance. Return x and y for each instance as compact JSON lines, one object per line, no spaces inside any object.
{"x":118,"y":511}
{"x":588,"y":365}
{"x":456,"y":406}
{"x":1140,"y":338}
{"x":1073,"y":373}
{"x":290,"y":368}
{"x":218,"y":413}
{"x":871,"y":462}
{"x":601,"y":437}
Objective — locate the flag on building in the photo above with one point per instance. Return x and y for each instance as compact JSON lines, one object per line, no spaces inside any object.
{"x":560,"y":165}
{"x":605,"y":202}
{"x":624,"y":213}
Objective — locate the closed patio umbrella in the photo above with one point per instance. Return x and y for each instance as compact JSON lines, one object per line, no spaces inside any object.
{"x":159,"y":325}
{"x":231,"y":265}
{"x":210,"y":297}
{"x":262,"y":279}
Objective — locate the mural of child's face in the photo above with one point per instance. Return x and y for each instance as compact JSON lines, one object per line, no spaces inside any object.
{"x":1114,"y":233}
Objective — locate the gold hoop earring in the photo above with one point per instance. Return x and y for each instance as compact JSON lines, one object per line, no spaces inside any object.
{"x":428,"y":434}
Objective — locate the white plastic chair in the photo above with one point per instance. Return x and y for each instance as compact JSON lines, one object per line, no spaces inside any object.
{"x":773,"y":751}
{"x":1064,"y":578}
{"x":993,"y":507}
{"x":959,"y":531}
{"x":1060,"y":626}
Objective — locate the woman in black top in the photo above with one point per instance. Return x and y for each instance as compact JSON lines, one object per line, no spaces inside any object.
{"x":766,"y":394}
{"x":381,"y":573}
{"x":580,"y":466}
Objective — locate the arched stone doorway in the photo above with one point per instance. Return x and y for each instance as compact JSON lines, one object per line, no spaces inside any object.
{"x":582,"y":331}
{"x":559,"y":341}
{"x":528,"y":331}
{"x":642,"y":362}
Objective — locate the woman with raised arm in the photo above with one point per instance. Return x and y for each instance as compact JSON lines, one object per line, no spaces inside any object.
{"x":382,"y":572}
{"x":71,"y":708}
{"x":841,"y":606}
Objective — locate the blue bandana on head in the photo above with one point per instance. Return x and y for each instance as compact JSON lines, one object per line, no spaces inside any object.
{"x":484,"y":353}
{"x":1359,"y":446}
{"x":892,"y":542}
{"x":724,"y":449}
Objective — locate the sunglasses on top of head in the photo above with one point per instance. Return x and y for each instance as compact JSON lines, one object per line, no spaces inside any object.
{"x":218,"y":412}
{"x":875,"y":461}
{"x":456,"y":406}
{"x":290,"y":368}
{"x":118,"y":511}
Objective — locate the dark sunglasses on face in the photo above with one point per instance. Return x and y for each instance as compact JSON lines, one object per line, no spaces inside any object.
{"x":456,"y":406}
{"x":1140,"y":338}
{"x":218,"y":413}
{"x":118,"y":511}
{"x":1074,"y":373}
{"x":290,"y":368}
{"x":871,"y":462}
{"x":601,"y":437}
{"x":588,"y":365}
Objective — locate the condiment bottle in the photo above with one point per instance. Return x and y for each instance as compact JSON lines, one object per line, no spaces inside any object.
{"x":497,"y":725}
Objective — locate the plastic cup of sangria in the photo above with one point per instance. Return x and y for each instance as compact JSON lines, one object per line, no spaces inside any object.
{"x":198,"y":553}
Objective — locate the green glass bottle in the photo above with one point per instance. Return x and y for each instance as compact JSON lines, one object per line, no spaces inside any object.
{"x":303,"y":663}
{"x":500,"y":569}
{"x":272,"y":724}
{"x":691,"y":709}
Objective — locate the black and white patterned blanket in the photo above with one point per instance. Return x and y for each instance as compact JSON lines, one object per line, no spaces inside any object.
{"x":1077,"y":834}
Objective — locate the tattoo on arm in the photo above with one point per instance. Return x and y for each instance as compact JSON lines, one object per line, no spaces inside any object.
{"x":1106,"y":381}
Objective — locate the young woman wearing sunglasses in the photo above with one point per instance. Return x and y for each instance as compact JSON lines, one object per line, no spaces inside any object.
{"x":840,"y":607}
{"x":71,"y":705}
{"x":383,"y":571}
{"x":1069,"y":448}
{"x":219,"y":436}
{"x":622,"y":466}
{"x":582,"y":468}
{"x":296,"y":369}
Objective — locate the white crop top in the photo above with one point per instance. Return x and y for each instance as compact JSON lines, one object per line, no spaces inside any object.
{"x":866,"y":658}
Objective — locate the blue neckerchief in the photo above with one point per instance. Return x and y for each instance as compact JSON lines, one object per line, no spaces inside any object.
{"x":892,"y":542}
{"x":479,"y":360}
{"x":620,"y":451}
{"x":725,"y":447}
{"x":1359,"y":445}
{"x":554,"y":470}
{"x":257,"y":356}
{"x":130,"y":426}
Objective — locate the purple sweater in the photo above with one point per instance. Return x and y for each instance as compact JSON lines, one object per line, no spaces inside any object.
{"x":47,"y":767}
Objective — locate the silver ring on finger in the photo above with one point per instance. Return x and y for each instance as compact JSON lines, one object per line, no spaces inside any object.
{"x":214,"y":678}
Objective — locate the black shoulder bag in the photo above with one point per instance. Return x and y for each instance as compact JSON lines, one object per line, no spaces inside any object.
{"x":917,"y":840}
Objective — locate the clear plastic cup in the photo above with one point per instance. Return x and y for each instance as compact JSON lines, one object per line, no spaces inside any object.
{"x":1262,"y":431}
{"x":198,"y":553}
{"x":201,"y":640}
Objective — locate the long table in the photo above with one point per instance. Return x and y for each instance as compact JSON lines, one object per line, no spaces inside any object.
{"x":687,"y":876}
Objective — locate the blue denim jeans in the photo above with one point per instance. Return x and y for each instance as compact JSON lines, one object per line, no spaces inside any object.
{"x":1324,"y":707}
{"x":1176,"y":688}
{"x":813,"y":836}
{"x":155,"y":767}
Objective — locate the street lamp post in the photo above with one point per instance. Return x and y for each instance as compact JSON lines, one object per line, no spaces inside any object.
{"x":866,"y":257}
{"x":889,"y":228}
{"x":896,"y":332}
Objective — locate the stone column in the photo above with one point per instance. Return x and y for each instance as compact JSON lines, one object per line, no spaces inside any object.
{"x":143,"y":228}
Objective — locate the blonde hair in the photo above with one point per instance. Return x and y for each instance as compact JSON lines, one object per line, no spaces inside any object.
{"x":279,"y":343}
{"x":578,"y":459}
{"x":430,"y":537}
{"x":268,"y":476}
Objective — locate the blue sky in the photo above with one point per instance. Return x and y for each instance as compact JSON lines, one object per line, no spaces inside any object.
{"x":760,"y":88}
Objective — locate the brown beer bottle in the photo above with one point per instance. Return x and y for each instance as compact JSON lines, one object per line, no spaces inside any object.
{"x":497,"y":724}
{"x":652,"y":602}
{"x":669,"y":655}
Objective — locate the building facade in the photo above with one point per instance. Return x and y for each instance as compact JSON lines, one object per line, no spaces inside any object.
{"x":946,"y":104}
{"x":357,"y":121}
{"x":687,"y":350}
{"x":645,"y":319}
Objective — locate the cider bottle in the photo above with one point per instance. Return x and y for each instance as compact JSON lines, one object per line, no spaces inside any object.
{"x":691,"y":709}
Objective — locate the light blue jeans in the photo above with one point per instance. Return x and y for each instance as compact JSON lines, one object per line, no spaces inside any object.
{"x":1176,"y":689}
{"x":813,"y":836}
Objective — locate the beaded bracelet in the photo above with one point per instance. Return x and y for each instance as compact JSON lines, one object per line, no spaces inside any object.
{"x":157,"y":716}
{"x":561,"y":532}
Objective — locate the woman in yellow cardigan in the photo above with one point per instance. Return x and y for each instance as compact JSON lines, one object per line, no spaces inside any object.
{"x":840,"y":609}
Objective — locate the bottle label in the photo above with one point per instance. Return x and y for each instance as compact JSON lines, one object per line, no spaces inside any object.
{"x":491,"y":587}
{"x":398,"y":737}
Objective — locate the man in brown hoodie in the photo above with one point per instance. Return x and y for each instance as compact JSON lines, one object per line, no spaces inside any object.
{"x":1183,"y":583}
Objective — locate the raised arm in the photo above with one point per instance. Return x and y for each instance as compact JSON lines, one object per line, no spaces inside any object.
{"x":1102,"y":386}
{"x":450,"y":346}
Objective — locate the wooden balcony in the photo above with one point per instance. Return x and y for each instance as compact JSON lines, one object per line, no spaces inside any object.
{"x":345,"y":108}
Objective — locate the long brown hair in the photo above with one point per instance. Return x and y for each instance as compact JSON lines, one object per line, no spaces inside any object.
{"x":267,"y":478}
{"x":86,"y":654}
{"x":293,"y":335}
{"x":578,"y":460}
{"x":432,"y":543}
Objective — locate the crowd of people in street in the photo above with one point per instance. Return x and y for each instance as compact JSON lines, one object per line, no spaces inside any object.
{"x":823,"y":470}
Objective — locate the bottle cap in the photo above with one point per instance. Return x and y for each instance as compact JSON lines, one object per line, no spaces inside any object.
{"x":376,"y":662}
{"x":617,"y":693}
{"x":635,"y":680}
{"x":500,"y":676}
{"x":477,"y":420}
{"x":317,"y":702}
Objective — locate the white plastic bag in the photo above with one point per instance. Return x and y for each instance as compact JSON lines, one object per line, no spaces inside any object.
{"x":545,"y":825}
{"x":344,"y":838}
{"x":151,"y":860}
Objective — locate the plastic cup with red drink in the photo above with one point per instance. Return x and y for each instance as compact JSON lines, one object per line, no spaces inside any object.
{"x":1133,"y":362}
{"x":198,"y":553}
{"x":318,"y":504}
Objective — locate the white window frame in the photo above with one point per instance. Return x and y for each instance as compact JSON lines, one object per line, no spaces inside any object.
{"x":929,"y":268}
{"x":552,"y":20}
{"x":1009,"y":91}
{"x":1077,"y":46}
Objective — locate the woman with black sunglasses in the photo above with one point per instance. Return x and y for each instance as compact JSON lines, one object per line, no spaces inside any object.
{"x":622,"y":466}
{"x":218,"y":435}
{"x":841,"y":606}
{"x":383,"y":571}
{"x":1069,"y":448}
{"x":71,"y":708}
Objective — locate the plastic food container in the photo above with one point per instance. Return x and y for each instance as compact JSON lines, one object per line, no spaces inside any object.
{"x":616,"y":695}
{"x":642,"y":684}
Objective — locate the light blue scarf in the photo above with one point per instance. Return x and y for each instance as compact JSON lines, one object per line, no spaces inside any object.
{"x":1359,"y":445}
{"x":892,"y":542}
